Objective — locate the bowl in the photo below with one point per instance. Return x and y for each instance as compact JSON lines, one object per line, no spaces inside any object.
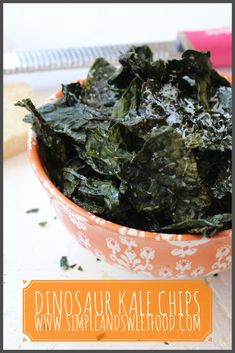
{"x":157,"y":255}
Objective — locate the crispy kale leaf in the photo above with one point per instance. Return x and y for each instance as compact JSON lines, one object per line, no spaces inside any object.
{"x":106,"y":151}
{"x":134,"y":63}
{"x":72,"y":93}
{"x":96,"y":195}
{"x":56,"y":147}
{"x":147,"y":145}
{"x":97,"y":92}
{"x":207,"y":226}
{"x":163,"y":177}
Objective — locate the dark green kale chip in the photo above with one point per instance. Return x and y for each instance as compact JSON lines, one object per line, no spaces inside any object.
{"x":147,"y":145}
{"x":72,"y":93}
{"x":64,"y":264}
{"x":163,"y":177}
{"x":207,"y":226}
{"x":32,"y":210}
{"x":136,"y":62}
{"x":42,"y":224}
{"x":97,"y":92}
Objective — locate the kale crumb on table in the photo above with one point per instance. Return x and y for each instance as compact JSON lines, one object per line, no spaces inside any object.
{"x":146,"y":145}
{"x":42,"y":224}
{"x":32,"y":210}
{"x":65,"y":266}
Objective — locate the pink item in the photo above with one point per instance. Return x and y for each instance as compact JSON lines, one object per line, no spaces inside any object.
{"x":217,"y":41}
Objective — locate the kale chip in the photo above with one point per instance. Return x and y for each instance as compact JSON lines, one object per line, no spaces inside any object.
{"x":147,"y":145}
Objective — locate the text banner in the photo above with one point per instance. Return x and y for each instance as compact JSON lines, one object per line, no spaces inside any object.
{"x":70,"y":310}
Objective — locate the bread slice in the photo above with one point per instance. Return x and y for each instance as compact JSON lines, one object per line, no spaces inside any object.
{"x":15,"y":130}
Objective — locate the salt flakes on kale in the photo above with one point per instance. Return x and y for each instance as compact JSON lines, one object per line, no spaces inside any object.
{"x":147,"y":145}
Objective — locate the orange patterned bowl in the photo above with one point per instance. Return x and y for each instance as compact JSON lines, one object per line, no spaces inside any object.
{"x":154,"y":254}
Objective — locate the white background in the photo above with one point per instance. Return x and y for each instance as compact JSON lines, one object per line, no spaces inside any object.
{"x":34,"y":26}
{"x":32,"y":252}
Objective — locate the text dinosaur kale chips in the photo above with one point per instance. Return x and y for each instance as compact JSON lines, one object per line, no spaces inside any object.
{"x":147,"y":145}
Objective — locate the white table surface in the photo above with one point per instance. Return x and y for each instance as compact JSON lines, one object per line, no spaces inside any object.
{"x":32,"y":252}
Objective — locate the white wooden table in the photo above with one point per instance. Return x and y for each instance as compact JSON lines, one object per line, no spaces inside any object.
{"x":32,"y":252}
